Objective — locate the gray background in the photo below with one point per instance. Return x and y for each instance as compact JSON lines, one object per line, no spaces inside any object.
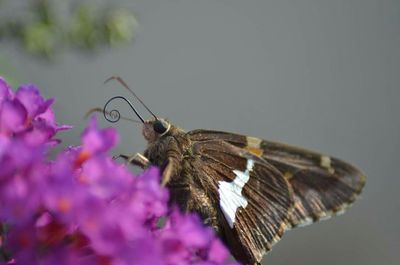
{"x":323,"y":74}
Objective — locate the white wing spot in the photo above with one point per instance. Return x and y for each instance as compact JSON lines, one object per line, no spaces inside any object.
{"x":325,"y":162}
{"x":230,"y":193}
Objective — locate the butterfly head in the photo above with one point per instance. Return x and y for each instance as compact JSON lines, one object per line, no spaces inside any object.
{"x":154,"y":129}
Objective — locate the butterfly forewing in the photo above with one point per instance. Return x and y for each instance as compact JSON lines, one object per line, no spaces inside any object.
{"x":322,"y":186}
{"x":254,"y":198}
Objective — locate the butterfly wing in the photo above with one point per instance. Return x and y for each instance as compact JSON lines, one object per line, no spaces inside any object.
{"x":322,"y":186}
{"x":254,"y":198}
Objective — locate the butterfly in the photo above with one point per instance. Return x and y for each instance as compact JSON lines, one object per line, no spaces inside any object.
{"x":248,"y":189}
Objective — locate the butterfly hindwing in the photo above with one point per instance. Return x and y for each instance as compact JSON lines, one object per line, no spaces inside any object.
{"x":322,"y":186}
{"x":254,"y":198}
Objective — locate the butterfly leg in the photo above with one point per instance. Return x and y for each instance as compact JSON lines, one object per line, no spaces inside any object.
{"x":168,"y":171}
{"x":135,"y":159}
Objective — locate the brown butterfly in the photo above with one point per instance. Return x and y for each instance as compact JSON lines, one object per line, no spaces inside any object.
{"x":249,"y":190}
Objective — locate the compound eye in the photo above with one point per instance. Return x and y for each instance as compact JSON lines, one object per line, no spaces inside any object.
{"x":160,"y":126}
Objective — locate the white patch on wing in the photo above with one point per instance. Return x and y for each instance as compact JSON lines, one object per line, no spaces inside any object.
{"x":325,"y":162}
{"x":230,"y":193}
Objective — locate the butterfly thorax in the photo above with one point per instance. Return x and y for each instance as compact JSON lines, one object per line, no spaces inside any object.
{"x":174,"y":144}
{"x":187,"y":188}
{"x":171,"y":148}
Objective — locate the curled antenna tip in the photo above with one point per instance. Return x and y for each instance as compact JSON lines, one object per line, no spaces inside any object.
{"x":122,"y":82}
{"x":100,"y":110}
{"x":114,"y":114}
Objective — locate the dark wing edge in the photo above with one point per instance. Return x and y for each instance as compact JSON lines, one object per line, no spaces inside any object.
{"x":323,"y":186}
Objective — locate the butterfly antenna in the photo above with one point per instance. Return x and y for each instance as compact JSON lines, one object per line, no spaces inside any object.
{"x":109,"y":114}
{"x":122,"y":82}
{"x":114,"y":114}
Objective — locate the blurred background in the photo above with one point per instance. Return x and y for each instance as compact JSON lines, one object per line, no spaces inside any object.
{"x":322,"y":74}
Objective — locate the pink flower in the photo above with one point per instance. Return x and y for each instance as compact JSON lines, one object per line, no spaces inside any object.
{"x":27,"y":115}
{"x":83,"y":207}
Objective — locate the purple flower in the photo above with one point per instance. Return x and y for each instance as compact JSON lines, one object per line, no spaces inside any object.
{"x":13,"y":116}
{"x":186,"y":241}
{"x":26,"y":114}
{"x":217,"y":252}
{"x":94,"y":140}
{"x":22,"y":169}
{"x":5,"y":90}
{"x":33,"y":102}
{"x":83,"y":207}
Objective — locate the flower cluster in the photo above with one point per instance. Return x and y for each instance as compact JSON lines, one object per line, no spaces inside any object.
{"x":83,"y":207}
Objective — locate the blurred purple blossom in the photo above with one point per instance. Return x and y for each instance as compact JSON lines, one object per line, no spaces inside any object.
{"x":83,"y":207}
